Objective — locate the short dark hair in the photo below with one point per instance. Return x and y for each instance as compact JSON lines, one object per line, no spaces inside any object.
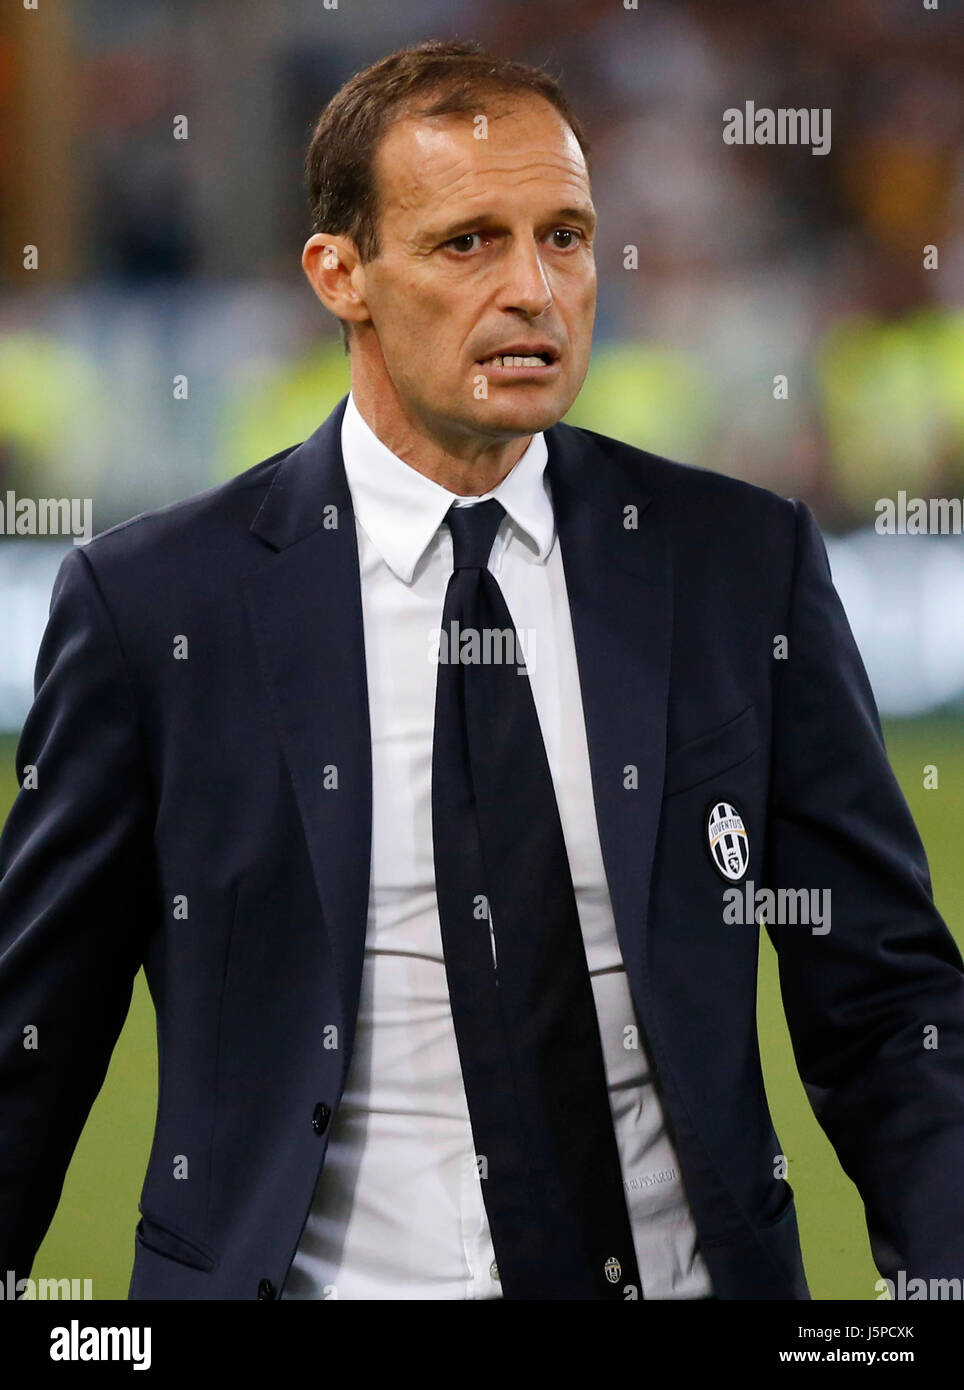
{"x":340,"y":164}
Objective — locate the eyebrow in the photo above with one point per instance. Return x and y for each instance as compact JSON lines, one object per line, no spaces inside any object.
{"x":584,"y":216}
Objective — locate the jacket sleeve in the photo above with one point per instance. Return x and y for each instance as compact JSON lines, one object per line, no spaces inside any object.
{"x":875,"y":1005}
{"x":78,"y":899}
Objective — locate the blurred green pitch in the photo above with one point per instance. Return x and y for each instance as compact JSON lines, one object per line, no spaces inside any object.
{"x":92,"y":1234}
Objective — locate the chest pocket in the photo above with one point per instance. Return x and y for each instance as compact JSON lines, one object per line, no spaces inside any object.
{"x":706,"y":756}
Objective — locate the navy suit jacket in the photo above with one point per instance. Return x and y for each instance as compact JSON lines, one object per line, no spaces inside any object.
{"x":209,"y":818}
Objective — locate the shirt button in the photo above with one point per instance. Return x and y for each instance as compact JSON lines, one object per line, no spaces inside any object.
{"x":493,"y":1270}
{"x":266,"y":1290}
{"x":320,"y":1118}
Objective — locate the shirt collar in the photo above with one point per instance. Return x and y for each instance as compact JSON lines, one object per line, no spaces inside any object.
{"x":401,"y":509}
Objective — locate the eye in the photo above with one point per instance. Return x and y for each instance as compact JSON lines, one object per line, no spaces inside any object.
{"x":458,"y":243}
{"x":566,"y":232}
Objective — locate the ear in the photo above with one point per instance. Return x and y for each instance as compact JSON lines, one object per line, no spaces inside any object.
{"x":336,"y":275}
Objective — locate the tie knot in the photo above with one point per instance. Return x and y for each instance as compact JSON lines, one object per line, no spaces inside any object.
{"x":473,"y":531}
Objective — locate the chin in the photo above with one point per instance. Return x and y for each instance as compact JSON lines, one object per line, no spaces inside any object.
{"x":519,"y":412}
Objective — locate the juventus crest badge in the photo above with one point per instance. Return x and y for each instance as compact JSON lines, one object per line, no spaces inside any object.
{"x":727,"y":840}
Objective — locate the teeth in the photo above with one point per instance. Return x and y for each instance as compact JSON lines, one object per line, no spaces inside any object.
{"x":514,"y":362}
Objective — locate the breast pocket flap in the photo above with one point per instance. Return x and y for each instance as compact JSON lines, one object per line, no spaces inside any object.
{"x":704,"y":757}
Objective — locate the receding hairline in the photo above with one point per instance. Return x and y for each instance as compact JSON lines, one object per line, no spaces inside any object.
{"x":414,"y":111}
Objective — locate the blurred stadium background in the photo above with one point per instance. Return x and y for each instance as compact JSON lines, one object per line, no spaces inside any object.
{"x":160,"y":257}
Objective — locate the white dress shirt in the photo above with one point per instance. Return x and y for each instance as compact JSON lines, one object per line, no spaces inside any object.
{"x":398,"y":1210}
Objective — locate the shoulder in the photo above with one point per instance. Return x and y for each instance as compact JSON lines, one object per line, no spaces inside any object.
{"x":207,"y":529}
{"x":691,"y":499}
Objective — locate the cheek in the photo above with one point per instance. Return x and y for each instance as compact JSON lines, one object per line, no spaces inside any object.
{"x":421,"y":309}
{"x":580,"y":295}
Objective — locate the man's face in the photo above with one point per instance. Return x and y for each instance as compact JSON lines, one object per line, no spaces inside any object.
{"x":485,"y":244}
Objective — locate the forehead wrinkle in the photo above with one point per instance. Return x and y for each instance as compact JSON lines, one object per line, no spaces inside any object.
{"x":438,"y":159}
{"x":511,"y":162}
{"x":460,"y":172}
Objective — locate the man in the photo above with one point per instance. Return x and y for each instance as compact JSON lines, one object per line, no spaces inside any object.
{"x":452,"y":1002}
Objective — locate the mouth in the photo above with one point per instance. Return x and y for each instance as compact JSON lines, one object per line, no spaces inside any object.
{"x":538,"y":360}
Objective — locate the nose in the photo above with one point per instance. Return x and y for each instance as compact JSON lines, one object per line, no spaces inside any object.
{"x":526,"y":287}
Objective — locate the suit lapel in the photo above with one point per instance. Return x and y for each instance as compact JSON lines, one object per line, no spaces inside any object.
{"x":620,"y":597}
{"x":306,"y":613}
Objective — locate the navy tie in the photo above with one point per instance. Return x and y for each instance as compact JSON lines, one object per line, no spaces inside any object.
{"x":521,"y":997}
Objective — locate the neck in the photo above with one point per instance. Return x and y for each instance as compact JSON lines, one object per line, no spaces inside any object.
{"x":463,"y":463}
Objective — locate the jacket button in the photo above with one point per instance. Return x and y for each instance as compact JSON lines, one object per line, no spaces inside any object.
{"x":265,"y":1289}
{"x":319,"y":1120}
